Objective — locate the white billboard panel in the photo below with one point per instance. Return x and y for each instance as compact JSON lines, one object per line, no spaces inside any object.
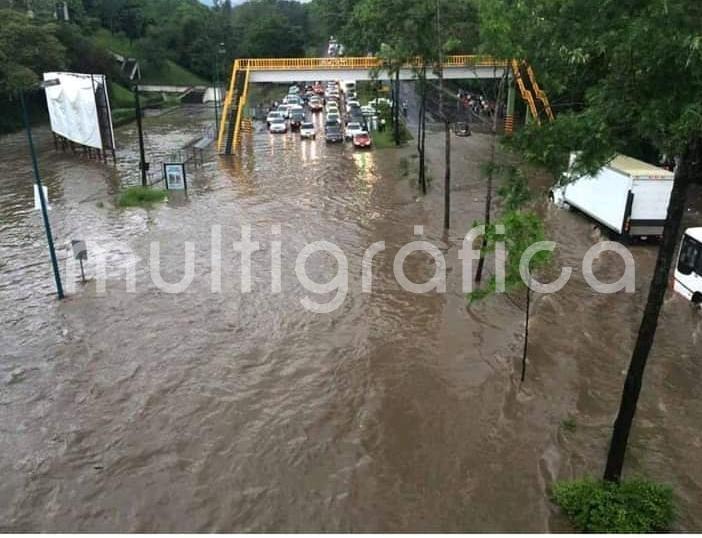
{"x":73,"y":111}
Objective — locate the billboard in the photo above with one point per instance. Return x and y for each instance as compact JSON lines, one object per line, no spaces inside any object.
{"x":79,"y":109}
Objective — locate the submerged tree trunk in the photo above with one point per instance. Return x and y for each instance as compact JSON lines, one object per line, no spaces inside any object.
{"x":447,"y":174}
{"x":396,"y":107}
{"x":422,"y":164}
{"x":526,"y":333}
{"x":490,"y":171}
{"x":421,"y":130}
{"x":689,"y":165}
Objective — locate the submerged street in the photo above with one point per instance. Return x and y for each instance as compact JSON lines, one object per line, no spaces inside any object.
{"x":245,"y":411}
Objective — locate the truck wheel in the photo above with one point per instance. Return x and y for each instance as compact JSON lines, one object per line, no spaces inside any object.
{"x":697,"y":299}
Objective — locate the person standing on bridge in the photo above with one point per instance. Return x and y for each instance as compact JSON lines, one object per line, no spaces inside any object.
{"x":404,"y":109}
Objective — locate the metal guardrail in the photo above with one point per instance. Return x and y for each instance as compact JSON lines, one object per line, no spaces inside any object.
{"x":244,"y":66}
{"x":526,"y":94}
{"x":362,"y":62}
{"x":539,"y":92}
{"x":240,"y":109}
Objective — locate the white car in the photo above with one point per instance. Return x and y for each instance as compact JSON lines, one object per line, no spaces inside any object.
{"x":278,"y":125}
{"x":331,"y":107}
{"x":351,"y":104}
{"x":334,"y":116}
{"x":367,"y":111}
{"x":292,"y":100}
{"x":295,"y":108}
{"x":380,"y":100}
{"x":353,"y":128}
{"x":307,"y":130}
{"x":284,"y":110}
{"x":273,"y":114}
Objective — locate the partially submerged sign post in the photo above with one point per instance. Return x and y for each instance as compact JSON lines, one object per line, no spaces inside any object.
{"x":37,"y":198}
{"x":174,"y":174}
{"x":80,"y":253}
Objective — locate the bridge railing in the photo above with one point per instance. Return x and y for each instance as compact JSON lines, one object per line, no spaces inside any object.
{"x":363,"y":62}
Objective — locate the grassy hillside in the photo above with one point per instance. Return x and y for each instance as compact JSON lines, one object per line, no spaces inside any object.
{"x":169,"y":73}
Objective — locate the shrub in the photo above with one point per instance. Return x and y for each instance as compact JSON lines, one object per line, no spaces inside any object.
{"x":635,"y":505}
{"x":141,"y":196}
{"x":569,"y":424}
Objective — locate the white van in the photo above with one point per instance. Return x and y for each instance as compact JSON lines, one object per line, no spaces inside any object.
{"x":688,"y":269}
{"x":348,"y":85}
{"x":628,"y":196}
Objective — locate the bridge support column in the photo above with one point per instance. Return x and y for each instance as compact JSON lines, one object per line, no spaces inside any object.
{"x":509,"y":116}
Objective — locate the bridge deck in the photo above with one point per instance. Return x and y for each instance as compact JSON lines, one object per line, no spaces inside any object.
{"x":363,"y":68}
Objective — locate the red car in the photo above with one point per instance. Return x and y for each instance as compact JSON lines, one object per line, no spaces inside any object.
{"x":362,"y":140}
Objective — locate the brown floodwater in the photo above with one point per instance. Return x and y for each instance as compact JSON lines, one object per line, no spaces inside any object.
{"x":241,"y":411}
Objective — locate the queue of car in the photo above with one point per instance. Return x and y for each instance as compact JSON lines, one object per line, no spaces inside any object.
{"x":344,"y":117}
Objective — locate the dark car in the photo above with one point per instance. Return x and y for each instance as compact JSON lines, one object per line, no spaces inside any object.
{"x":461,"y":128}
{"x":296,"y":119}
{"x":356,"y":116}
{"x":332,"y":132}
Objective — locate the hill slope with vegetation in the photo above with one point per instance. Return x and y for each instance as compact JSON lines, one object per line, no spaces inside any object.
{"x":174,"y":40}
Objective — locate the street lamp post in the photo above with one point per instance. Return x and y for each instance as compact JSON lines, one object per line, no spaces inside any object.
{"x":142,"y":158}
{"x":219,"y":50}
{"x":42,"y":199}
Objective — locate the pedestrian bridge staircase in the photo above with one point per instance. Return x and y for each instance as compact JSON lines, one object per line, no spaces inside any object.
{"x":535,"y":98}
{"x":230,"y":127}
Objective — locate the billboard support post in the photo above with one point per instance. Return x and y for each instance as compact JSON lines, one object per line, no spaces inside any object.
{"x":44,"y":212}
{"x":142,"y":159}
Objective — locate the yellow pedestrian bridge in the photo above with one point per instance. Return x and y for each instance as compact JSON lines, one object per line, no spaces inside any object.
{"x":287,"y":70}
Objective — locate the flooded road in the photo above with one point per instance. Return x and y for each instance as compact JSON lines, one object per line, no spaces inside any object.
{"x":241,"y":411}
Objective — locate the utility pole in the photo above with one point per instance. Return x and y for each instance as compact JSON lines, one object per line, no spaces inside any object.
{"x":42,"y":199}
{"x":142,"y":158}
{"x":220,"y":50}
{"x":447,"y":124}
{"x":215,"y":83}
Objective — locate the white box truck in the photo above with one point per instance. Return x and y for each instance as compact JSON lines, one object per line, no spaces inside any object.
{"x":628,"y":196}
{"x":687,"y":279}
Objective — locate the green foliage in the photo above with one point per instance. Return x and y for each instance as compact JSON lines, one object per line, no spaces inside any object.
{"x":521,"y":230}
{"x":84,"y":55}
{"x":120,"y":97}
{"x":141,"y":197}
{"x":632,"y":506}
{"x":514,"y":189}
{"x":407,"y":28}
{"x":569,"y":424}
{"x":27,"y":49}
{"x":610,"y":70}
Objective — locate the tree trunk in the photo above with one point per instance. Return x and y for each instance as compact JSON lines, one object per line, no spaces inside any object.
{"x":526,"y":333}
{"x":422,"y":166}
{"x":488,"y":196}
{"x":688,"y":166}
{"x":396,"y":107}
{"x":447,"y":174}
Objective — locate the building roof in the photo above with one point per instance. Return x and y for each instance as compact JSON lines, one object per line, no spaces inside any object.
{"x":634,"y":167}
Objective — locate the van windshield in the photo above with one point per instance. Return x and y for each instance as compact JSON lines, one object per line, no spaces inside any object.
{"x":690,"y":260}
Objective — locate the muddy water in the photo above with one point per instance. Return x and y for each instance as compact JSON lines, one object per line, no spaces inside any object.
{"x":245,"y":411}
